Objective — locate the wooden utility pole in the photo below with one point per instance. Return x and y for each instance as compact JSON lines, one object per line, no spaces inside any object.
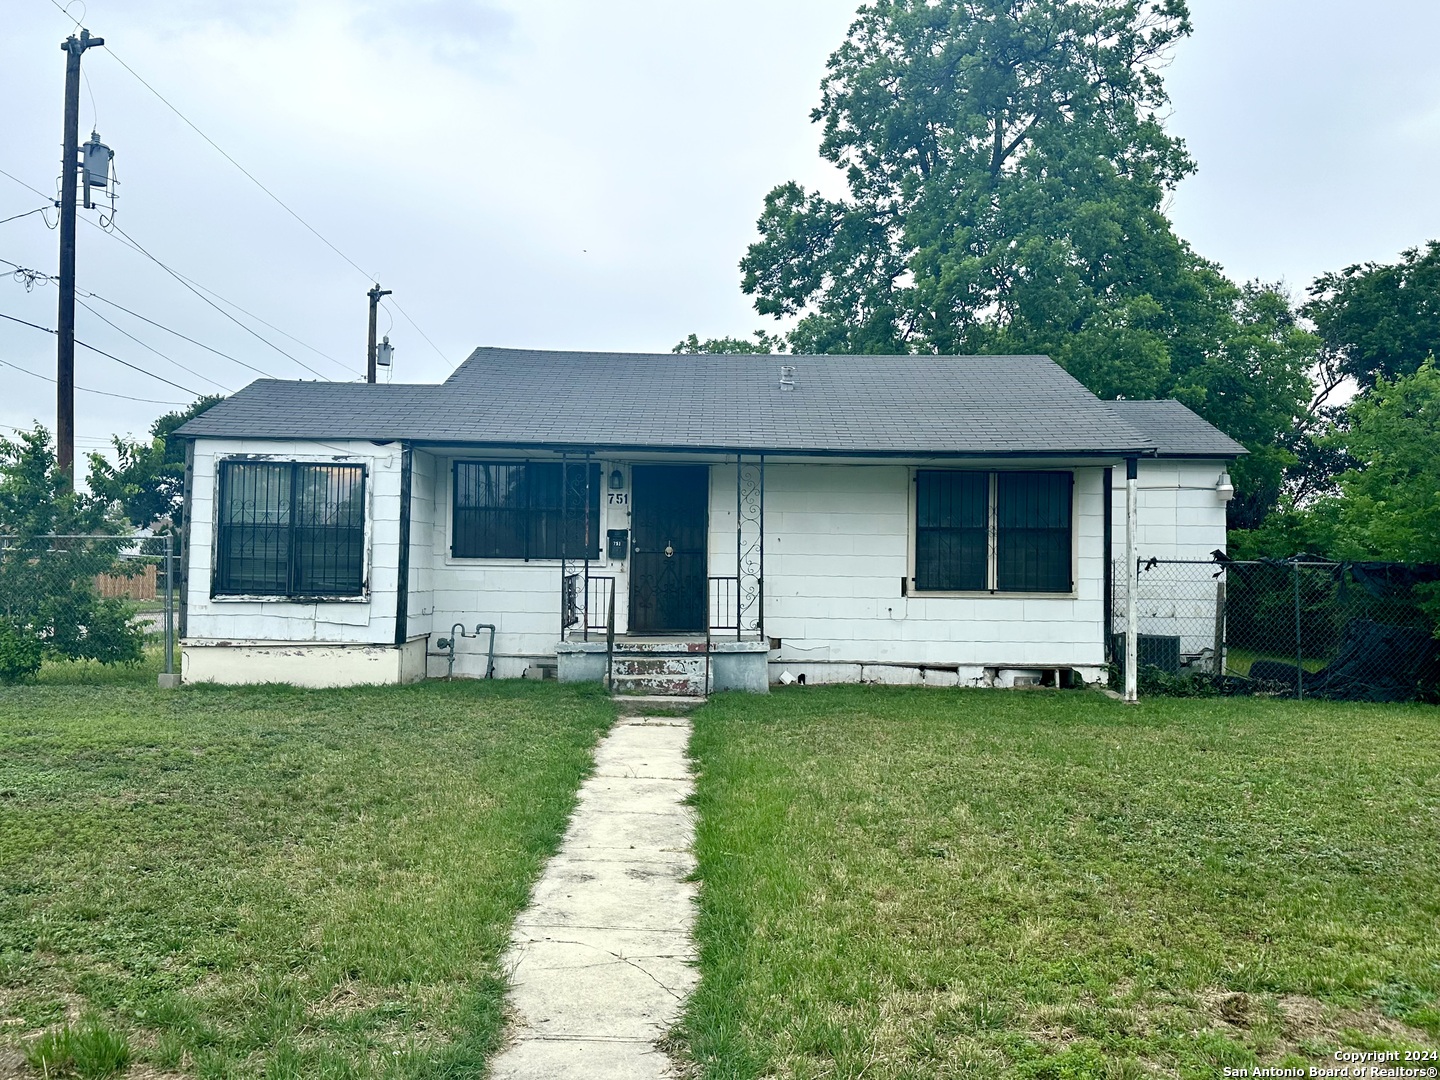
{"x":73,"y":48}
{"x":375,"y":294}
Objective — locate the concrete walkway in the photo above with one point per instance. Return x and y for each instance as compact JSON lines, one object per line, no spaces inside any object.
{"x":601,"y":958}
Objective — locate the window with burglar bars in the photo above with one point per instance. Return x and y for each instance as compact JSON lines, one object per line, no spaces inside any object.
{"x":290,"y":529}
{"x":525,"y":510}
{"x":993,"y":532}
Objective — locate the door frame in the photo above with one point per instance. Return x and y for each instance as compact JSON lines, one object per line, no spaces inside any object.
{"x":704,"y":605}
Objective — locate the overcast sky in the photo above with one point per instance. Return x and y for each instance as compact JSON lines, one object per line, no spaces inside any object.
{"x":567,"y":174}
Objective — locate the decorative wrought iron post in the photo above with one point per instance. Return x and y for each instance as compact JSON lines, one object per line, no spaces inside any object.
{"x":749,"y":545}
{"x":585,"y":543}
{"x":566,"y":601}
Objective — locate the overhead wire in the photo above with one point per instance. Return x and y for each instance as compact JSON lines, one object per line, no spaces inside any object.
{"x":102,"y":352}
{"x":285,"y":333}
{"x":27,"y":213}
{"x":38,"y":275}
{"x":254,"y":180}
{"x":102,"y":393}
{"x":151,"y":348}
{"x":249,"y":330}
{"x":131,"y":242}
{"x":23,"y":184}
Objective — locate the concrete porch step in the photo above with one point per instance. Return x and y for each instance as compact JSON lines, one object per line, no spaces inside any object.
{"x":656,"y":704}
{"x":658,"y":645}
{"x":649,"y":664}
{"x":679,"y":685}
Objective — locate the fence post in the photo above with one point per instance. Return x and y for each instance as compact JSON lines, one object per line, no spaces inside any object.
{"x":168,"y":679}
{"x":1220,"y":625}
{"x":1299,"y":645}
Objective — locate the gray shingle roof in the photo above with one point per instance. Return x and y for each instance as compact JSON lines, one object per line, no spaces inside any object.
{"x":1176,"y":431}
{"x":840,"y":404}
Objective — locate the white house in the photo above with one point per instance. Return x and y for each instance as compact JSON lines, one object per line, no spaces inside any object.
{"x":947,"y":520}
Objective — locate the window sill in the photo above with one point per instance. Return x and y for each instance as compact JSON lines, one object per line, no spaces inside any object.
{"x":502,"y":563}
{"x":238,"y":598}
{"x":985,"y":594}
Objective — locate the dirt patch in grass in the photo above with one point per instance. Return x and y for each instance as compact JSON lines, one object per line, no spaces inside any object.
{"x":1306,"y":1023}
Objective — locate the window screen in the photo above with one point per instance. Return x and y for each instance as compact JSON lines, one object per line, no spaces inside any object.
{"x":951,"y":530}
{"x":1032,"y":519}
{"x":290,"y":529}
{"x":519,"y":510}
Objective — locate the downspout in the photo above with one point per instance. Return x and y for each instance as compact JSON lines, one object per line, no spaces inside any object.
{"x":402,"y":580}
{"x":1132,"y":585}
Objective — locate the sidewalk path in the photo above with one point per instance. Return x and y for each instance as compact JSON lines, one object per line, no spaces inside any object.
{"x":602,"y":957}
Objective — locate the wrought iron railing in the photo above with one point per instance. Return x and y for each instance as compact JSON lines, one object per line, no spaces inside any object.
{"x":583,"y":602}
{"x":724,"y":604}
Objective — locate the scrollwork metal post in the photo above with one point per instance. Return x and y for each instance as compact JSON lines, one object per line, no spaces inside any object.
{"x":750,"y":545}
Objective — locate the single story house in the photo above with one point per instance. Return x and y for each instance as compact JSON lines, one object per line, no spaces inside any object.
{"x":736,"y":519}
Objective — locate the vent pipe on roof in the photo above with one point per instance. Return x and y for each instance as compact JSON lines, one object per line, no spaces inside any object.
{"x":787,"y":376}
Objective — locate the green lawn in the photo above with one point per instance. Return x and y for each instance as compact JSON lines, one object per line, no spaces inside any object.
{"x":930,"y":884}
{"x":245,"y":882}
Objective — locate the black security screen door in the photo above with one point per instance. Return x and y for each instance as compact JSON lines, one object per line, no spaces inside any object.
{"x":667,"y":555}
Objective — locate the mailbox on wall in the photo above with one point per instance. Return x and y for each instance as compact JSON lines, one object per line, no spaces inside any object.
{"x":617,"y":543}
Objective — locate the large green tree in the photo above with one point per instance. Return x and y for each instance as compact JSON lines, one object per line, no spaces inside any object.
{"x":1379,"y":320}
{"x":147,"y":480}
{"x":1006,"y":169}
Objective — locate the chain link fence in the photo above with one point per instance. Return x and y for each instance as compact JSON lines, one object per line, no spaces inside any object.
{"x":1298,"y":628}
{"x":107,"y":599}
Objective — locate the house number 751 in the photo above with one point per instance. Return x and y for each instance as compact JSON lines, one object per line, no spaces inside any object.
{"x":619,"y":498}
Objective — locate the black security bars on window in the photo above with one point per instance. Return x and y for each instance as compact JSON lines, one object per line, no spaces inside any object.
{"x":951,"y":530}
{"x":1002,"y":532}
{"x":1032,"y":530}
{"x":516,"y":510}
{"x":290,"y":529}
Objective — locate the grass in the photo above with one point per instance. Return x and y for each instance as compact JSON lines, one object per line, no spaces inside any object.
{"x":1238,"y":661}
{"x":263,"y":881}
{"x":921,"y":883}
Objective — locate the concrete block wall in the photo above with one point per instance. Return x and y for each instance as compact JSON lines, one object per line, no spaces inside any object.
{"x":838,"y":539}
{"x":522,"y":599}
{"x":1179,"y":516}
{"x":369,"y":619}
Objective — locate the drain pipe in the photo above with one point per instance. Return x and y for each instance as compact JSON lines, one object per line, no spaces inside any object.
{"x":447,"y":645}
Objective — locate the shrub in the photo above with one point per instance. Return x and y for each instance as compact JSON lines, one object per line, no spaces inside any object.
{"x":20,"y":651}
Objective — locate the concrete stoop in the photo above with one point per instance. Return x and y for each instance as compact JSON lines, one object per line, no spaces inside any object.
{"x":602,"y":960}
{"x":675,"y":668}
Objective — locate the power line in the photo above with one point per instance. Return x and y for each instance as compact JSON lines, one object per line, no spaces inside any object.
{"x":251,"y":177}
{"x":216,"y":146}
{"x":102,"y":352}
{"x":158,"y":325}
{"x":217,"y":307}
{"x":285,"y":333}
{"x":27,"y":213}
{"x":102,"y":393}
{"x":157,"y":352}
{"x":182,"y":337}
{"x":23,"y":184}
{"x":422,"y":333}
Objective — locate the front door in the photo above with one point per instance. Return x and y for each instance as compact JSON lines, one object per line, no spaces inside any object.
{"x":669,"y":518}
